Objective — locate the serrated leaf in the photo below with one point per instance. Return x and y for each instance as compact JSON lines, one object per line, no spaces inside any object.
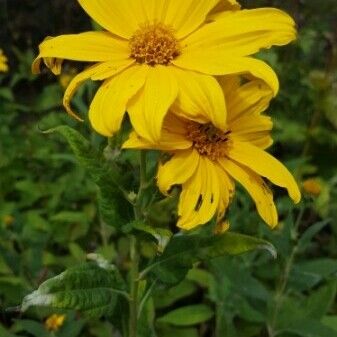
{"x":113,"y":207}
{"x":189,"y":315}
{"x":184,"y":250}
{"x":87,"y":288}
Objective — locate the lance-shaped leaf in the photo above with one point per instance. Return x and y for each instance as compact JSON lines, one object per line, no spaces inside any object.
{"x":88,"y":288}
{"x":113,"y":207}
{"x":184,"y":250}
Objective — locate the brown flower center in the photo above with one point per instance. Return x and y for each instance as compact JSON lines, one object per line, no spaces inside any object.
{"x":154,"y":44}
{"x":208,"y":140}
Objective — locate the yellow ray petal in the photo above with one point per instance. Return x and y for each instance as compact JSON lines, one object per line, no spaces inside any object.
{"x":185,"y":16}
{"x":116,"y":16}
{"x":166,"y":143}
{"x":220,"y":63}
{"x":243,"y":33}
{"x":254,"y":129}
{"x":252,"y":98}
{"x":199,"y":199}
{"x":149,"y":107}
{"x":177,"y":170}
{"x":98,"y":71}
{"x":227,"y":188}
{"x":257,"y":189}
{"x":110,"y":102}
{"x":200,"y":98}
{"x":265,"y":165}
{"x":88,"y":47}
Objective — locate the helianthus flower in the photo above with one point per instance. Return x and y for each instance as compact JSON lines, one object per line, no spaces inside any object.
{"x":3,"y":62}
{"x":206,"y":159}
{"x":151,"y":48}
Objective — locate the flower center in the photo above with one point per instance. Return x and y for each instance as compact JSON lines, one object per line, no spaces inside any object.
{"x":208,"y":140}
{"x":154,"y":44}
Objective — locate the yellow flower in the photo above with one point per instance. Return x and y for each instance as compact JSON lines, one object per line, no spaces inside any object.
{"x":206,"y":158}
{"x":54,"y":322}
{"x":312,"y":186}
{"x":3,"y":62}
{"x":152,"y":48}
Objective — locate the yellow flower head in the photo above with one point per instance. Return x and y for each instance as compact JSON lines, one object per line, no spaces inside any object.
{"x":54,"y":322}
{"x":3,"y":62}
{"x":150,"y":49}
{"x":209,"y":152}
{"x":8,"y":220}
{"x":312,"y":186}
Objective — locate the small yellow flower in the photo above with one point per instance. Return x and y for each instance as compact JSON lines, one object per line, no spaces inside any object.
{"x":152,"y":48}
{"x":312,"y":186}
{"x":54,"y":322}
{"x":8,"y":220}
{"x":3,"y":63}
{"x":206,"y":157}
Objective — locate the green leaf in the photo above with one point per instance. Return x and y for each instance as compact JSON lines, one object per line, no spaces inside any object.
{"x":5,"y":333}
{"x":184,"y":250}
{"x":165,"y":298}
{"x":309,"y":234}
{"x":113,"y":207}
{"x":88,"y":288}
{"x":309,"y":328}
{"x":189,"y":315}
{"x":34,"y":328}
{"x":169,"y":331}
{"x":330,"y":321}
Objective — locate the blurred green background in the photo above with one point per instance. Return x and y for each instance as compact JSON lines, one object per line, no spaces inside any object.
{"x":48,"y":209}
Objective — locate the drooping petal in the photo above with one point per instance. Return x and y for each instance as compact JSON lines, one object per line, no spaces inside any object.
{"x":199,"y":198}
{"x":110,"y":102}
{"x":257,"y":189}
{"x":88,"y":47}
{"x":185,"y":16}
{"x":177,"y":170}
{"x":221,"y":63}
{"x":116,"y":16}
{"x":98,"y":71}
{"x":149,"y":107}
{"x":243,"y":33}
{"x":265,"y":165}
{"x":200,"y":98}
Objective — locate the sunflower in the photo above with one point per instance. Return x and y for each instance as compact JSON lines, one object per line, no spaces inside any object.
{"x":3,"y":62}
{"x":206,"y":159}
{"x":150,"y":49}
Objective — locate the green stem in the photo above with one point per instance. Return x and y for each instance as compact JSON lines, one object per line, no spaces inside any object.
{"x":278,"y":299}
{"x":134,"y":285}
{"x":134,"y":254}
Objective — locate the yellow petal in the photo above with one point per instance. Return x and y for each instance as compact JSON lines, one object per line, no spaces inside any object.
{"x":110,"y":102}
{"x":252,"y":98}
{"x":227,"y":188}
{"x":149,"y":107}
{"x":168,"y":142}
{"x":116,"y":16}
{"x":200,"y":98}
{"x":243,"y":33}
{"x":199,"y":198}
{"x":88,"y":47}
{"x":95,"y":72}
{"x":185,"y":16}
{"x":257,"y":189}
{"x":265,"y":165}
{"x":254,"y":129}
{"x":220,"y":63}
{"x":177,"y":170}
